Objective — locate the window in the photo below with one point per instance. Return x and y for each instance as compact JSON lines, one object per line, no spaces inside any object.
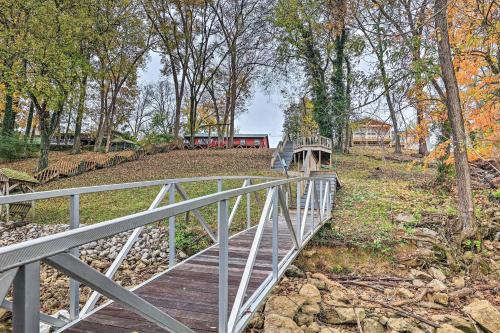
{"x":257,"y":142}
{"x":242,"y":142}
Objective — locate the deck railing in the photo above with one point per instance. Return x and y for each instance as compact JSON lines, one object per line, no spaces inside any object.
{"x":20,"y":263}
{"x":317,"y":140}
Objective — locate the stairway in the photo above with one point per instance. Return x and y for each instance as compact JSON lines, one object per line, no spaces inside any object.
{"x":286,"y":155}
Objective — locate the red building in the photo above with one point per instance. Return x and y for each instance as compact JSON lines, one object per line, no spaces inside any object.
{"x":201,"y":140}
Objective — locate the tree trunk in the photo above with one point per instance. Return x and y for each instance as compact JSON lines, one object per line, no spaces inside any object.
{"x":79,"y":116}
{"x":43,"y":116}
{"x":29,"y":121}
{"x":8,"y":116}
{"x":387,"y":94}
{"x":232,"y":99}
{"x":465,"y":204}
{"x":102,"y":117}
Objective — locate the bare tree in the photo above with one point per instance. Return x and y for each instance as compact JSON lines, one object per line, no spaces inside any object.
{"x":141,"y":113}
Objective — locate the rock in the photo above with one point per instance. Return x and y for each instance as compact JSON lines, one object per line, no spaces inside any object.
{"x":399,"y":324}
{"x":418,"y":283}
{"x":320,"y":276}
{"x":309,"y":254}
{"x":310,"y":292}
{"x":459,"y":282}
{"x":51,"y":303}
{"x":277,"y":324}
{"x":430,"y":305}
{"x":416,"y":274}
{"x":440,"y":298}
{"x":372,"y":325}
{"x":405,"y":293}
{"x":455,"y":321}
{"x":342,"y":315}
{"x":256,"y":321}
{"x":403,"y":218}
{"x":339,"y":292}
{"x":437,"y":273}
{"x":321,"y":285}
{"x":447,"y":328}
{"x":285,"y":306}
{"x":383,"y":320}
{"x":485,"y":315}
{"x":312,"y":309}
{"x":461,"y":293}
{"x":329,"y":330}
{"x":303,"y":319}
{"x":313,"y":328}
{"x":437,"y":285}
{"x":294,"y":271}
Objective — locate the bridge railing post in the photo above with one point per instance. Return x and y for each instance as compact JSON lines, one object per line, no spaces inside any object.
{"x":297,"y":212}
{"x":249,"y":204}
{"x":74,"y":286}
{"x":26,"y":303}
{"x":274,"y":236}
{"x":223,"y":233}
{"x":171,"y":230}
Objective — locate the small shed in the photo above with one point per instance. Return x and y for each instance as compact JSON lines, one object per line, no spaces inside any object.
{"x":11,"y":182}
{"x":119,"y":143}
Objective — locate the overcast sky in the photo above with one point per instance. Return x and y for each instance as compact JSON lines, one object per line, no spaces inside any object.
{"x":264,"y":114}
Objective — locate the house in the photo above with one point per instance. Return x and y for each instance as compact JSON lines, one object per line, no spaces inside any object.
{"x":202,"y":140}
{"x":369,"y":131}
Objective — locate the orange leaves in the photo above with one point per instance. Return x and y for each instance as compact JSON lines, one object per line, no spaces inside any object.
{"x":474,"y":38}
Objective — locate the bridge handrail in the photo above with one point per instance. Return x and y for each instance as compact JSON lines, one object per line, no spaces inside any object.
{"x":20,"y":263}
{"x":279,"y":148}
{"x":66,"y":192}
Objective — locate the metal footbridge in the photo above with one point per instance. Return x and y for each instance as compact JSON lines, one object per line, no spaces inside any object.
{"x":215,"y":290}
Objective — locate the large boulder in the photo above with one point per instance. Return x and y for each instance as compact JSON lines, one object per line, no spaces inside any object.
{"x":286,"y":306}
{"x":341,"y":315}
{"x":278,"y":324}
{"x":485,"y":315}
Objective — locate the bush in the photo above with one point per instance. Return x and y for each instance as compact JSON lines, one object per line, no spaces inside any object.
{"x":13,"y":148}
{"x":156,"y":139}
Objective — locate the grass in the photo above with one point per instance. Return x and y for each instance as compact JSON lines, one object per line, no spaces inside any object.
{"x":363,"y":232}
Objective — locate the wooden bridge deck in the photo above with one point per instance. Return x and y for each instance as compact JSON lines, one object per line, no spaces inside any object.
{"x":189,"y":291}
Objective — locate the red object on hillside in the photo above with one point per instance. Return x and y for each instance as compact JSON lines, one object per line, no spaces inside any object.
{"x":201,"y":140}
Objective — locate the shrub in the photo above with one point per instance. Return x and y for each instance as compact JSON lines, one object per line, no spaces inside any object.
{"x":13,"y":148}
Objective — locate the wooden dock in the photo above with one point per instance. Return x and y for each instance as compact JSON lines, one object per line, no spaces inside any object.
{"x":189,"y":291}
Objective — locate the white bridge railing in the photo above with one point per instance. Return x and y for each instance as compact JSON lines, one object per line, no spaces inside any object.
{"x":20,"y":263}
{"x":316,"y":141}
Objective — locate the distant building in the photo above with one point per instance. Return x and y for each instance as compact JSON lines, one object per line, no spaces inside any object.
{"x":368,"y":131}
{"x":201,"y":140}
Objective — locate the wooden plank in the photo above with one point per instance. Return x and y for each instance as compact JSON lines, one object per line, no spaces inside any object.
{"x":189,"y":292}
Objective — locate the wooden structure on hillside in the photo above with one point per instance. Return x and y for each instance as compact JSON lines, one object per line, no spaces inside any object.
{"x":307,"y":153}
{"x":11,"y":182}
{"x":86,"y":162}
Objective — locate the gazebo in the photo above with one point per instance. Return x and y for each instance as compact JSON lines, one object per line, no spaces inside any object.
{"x":11,"y":182}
